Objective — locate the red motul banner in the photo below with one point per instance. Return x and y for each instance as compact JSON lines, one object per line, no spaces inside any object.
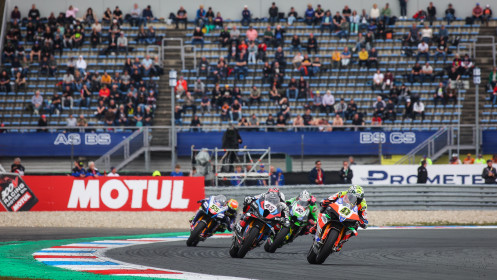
{"x":64,"y":193}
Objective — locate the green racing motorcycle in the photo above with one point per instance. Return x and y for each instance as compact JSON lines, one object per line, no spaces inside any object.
{"x":298,"y":222}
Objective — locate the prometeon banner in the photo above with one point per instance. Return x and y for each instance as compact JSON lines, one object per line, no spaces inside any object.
{"x":438,"y":174}
{"x":64,"y":193}
{"x":15,"y":195}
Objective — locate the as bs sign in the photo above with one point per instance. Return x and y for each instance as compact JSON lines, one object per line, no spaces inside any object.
{"x":393,"y":138}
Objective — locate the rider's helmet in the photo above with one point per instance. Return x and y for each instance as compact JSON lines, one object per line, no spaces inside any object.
{"x":357,"y":191}
{"x":275,"y":190}
{"x":232,"y":204}
{"x":305,"y":196}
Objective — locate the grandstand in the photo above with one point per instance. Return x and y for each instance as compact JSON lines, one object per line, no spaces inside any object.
{"x":345,"y":83}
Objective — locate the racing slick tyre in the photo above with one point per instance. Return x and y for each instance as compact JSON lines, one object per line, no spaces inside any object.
{"x":195,"y":234}
{"x":327,"y":247}
{"x":234,"y":249}
{"x":278,"y":239}
{"x":311,"y":256}
{"x":248,"y":242}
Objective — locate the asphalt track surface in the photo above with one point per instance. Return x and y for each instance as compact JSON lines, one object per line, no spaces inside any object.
{"x":374,"y":254}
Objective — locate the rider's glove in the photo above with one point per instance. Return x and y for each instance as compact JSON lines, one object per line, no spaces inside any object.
{"x":364,"y":226}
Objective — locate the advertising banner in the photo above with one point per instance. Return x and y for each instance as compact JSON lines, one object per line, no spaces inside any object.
{"x":313,"y":143}
{"x":15,"y":195}
{"x":439,"y":174}
{"x":65,"y":193}
{"x":59,"y":144}
{"x":489,"y":142}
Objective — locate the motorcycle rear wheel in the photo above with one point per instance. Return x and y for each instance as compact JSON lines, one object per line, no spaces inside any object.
{"x":278,"y":239}
{"x":248,"y":242}
{"x":327,"y":247}
{"x":195,"y":235}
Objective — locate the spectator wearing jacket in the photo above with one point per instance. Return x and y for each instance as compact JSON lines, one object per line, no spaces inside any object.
{"x":273,"y":13}
{"x":422,"y":173}
{"x":346,"y":173}
{"x":316,"y":176}
{"x":489,"y":173}
{"x":78,"y":171}
{"x":92,"y":170}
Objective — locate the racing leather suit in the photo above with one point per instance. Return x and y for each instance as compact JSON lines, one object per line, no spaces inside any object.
{"x":313,"y":214}
{"x":361,"y":209}
{"x":226,"y":221}
{"x":284,"y":207}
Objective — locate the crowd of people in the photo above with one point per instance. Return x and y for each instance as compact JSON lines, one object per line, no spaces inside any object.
{"x":395,"y":97}
{"x":126,"y":97}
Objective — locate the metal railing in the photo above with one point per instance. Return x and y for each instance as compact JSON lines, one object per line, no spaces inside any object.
{"x":123,"y":150}
{"x":427,"y":147}
{"x":475,"y":44}
{"x":389,"y":197}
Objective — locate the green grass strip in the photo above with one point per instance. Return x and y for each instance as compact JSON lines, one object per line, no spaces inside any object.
{"x":17,"y":261}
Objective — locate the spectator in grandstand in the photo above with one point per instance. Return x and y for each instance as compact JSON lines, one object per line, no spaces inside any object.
{"x":246,"y":16}
{"x":328,"y":103}
{"x":297,"y":60}
{"x":317,"y":176}
{"x":42,"y":122}
{"x":251,"y":35}
{"x":255,"y":96}
{"x":480,"y":159}
{"x":281,"y":121}
{"x":467,"y":66}
{"x":351,"y":109}
{"x":431,"y":12}
{"x":455,"y":159}
{"x":270,"y":121}
{"x":147,"y":15}
{"x":426,"y":34}
{"x":440,"y":95}
{"x":298,"y":121}
{"x":415,"y":74}
{"x":477,"y":13}
{"x":36,"y":103}
{"x":292,"y":16}
{"x":117,"y":14}
{"x":71,"y":14}
{"x":195,"y":124}
{"x":135,"y":18}
{"x":468,"y":159}
{"x":487,"y":14}
{"x":34,"y":14}
{"x":450,"y":14}
{"x":15,"y":15}
{"x":441,"y":50}
{"x":357,"y":120}
{"x":200,"y":17}
{"x":303,"y":88}
{"x":427,"y":73}
{"x":71,"y":122}
{"x":390,"y":111}
{"x":492,"y":78}
{"x":374,"y":14}
{"x":423,"y":50}
{"x":307,"y":117}
{"x":122,"y":44}
{"x":181,"y":16}
{"x":373,"y":58}
{"x":107,"y":16}
{"x":335,"y":59}
{"x":181,"y":87}
{"x":82,"y":122}
{"x":309,"y":15}
{"x":386,"y":14}
{"x":241,"y":68}
{"x":295,"y":43}
{"x":20,"y":82}
{"x":378,"y":78}
{"x":92,"y":171}
{"x":327,"y":23}
{"x":379,"y":106}
{"x":78,"y":171}
{"x":56,"y":104}
{"x":236,"y":110}
{"x":306,"y":66}
{"x":198,"y":88}
{"x":364,"y":58}
{"x":17,"y":167}
{"x":345,"y":56}
{"x":318,"y":15}
{"x":408,"y":107}
{"x":337,"y":123}
{"x":489,"y":173}
{"x":178,"y":115}
{"x":252,"y":53}
{"x":341,"y":108}
{"x":148,"y":116}
{"x":146,"y":64}
{"x":225,"y":37}
{"x":418,"y":109}
{"x":189,"y":103}
{"x":152,"y":39}
{"x":312,"y":44}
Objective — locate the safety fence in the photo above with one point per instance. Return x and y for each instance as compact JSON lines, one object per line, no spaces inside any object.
{"x":390,"y":197}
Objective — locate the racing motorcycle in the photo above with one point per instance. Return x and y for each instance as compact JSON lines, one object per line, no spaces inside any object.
{"x":212,"y":213}
{"x":331,"y":227}
{"x":299,"y":213}
{"x":263,"y":216}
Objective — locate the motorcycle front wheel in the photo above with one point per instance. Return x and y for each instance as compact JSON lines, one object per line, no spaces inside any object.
{"x":278,"y":239}
{"x":327,"y":247}
{"x":195,"y":234}
{"x":248,"y":242}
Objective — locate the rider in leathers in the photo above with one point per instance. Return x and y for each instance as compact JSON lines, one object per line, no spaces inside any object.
{"x":228,"y":220}
{"x":284,"y":208}
{"x":361,"y":207}
{"x":313,"y":210}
